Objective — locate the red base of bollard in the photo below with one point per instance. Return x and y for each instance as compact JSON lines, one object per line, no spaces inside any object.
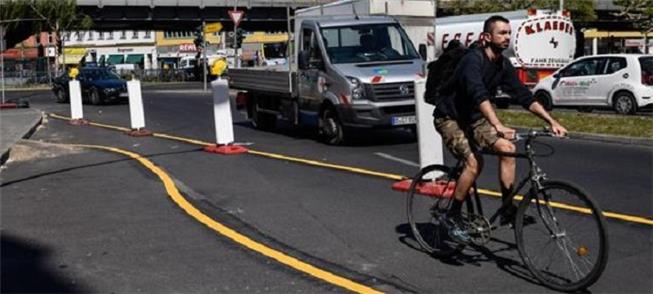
{"x":78,"y":122}
{"x":226,"y":149}
{"x":8,"y":105}
{"x":431,"y":189}
{"x":139,"y":133}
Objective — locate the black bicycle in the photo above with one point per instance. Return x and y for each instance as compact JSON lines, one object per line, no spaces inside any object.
{"x":564,"y":245}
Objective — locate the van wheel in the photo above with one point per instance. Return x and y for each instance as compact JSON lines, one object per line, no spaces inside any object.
{"x":624,"y":103}
{"x":95,"y":97}
{"x":262,"y":120}
{"x":545,"y":99}
{"x":330,"y":127}
{"x":60,"y":96}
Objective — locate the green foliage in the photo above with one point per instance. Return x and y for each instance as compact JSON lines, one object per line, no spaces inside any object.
{"x":11,"y":10}
{"x":608,"y":124}
{"x":581,"y":10}
{"x":60,"y":15}
{"x":640,"y":12}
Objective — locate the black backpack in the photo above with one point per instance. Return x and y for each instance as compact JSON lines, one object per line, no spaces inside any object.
{"x":441,"y":74}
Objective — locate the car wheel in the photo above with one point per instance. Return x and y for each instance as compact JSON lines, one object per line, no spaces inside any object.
{"x":502,"y":103}
{"x":95,"y":97}
{"x":330,"y":127}
{"x":545,"y":99}
{"x":624,"y":103}
{"x":60,"y":96}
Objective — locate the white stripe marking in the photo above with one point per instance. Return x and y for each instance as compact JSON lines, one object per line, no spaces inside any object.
{"x":397,"y":159}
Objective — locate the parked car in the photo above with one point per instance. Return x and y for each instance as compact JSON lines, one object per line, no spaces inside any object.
{"x":620,"y":81}
{"x":98,"y":85}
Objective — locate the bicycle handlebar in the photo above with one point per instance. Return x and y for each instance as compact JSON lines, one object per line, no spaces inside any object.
{"x":519,"y":136}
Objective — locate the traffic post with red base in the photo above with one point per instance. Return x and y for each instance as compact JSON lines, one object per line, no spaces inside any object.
{"x":224,"y":130}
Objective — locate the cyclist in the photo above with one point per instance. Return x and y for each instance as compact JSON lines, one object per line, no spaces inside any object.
{"x":465,"y":114}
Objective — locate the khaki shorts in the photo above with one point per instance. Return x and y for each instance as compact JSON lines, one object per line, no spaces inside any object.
{"x":457,"y":140}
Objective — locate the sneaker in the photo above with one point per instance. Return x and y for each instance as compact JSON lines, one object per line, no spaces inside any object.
{"x":457,"y":231}
{"x":508,"y":217}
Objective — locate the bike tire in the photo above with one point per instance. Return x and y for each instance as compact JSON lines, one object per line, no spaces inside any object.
{"x":562,"y":211}
{"x":426,"y":227}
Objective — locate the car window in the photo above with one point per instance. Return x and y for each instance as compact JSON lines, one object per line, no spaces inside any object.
{"x":587,"y":67}
{"x":616,"y":64}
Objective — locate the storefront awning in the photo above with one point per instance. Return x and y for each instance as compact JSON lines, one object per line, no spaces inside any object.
{"x":72,"y":55}
{"x":115,"y":59}
{"x":134,"y":58}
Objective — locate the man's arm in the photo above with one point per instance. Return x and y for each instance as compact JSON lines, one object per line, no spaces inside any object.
{"x":514,"y":87}
{"x":488,"y":112}
{"x":539,"y":110}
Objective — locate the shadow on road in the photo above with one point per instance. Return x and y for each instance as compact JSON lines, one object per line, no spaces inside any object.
{"x":355,"y":137}
{"x":32,"y":177}
{"x":476,"y":255}
{"x":24,"y":269}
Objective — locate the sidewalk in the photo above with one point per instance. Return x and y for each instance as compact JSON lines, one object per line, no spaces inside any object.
{"x":16,"y":124}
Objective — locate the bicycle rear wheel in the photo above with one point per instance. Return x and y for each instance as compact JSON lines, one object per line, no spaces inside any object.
{"x":426,"y":212}
{"x":566,"y":249}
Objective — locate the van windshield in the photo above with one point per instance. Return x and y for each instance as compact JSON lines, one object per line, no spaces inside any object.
{"x":367,"y":43}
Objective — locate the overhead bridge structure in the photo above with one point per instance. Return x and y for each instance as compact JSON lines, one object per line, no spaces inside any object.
{"x":266,"y":15}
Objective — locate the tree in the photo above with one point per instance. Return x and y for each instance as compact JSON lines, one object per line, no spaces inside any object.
{"x":59,"y":16}
{"x":640,"y":12}
{"x":581,"y":10}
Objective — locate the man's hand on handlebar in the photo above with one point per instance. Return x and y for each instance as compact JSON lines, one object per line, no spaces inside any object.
{"x":558,"y":130}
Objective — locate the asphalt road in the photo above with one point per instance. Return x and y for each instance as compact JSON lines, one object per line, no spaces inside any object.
{"x":350,"y":224}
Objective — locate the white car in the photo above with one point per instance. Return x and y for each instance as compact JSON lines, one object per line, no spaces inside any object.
{"x":621,"y":81}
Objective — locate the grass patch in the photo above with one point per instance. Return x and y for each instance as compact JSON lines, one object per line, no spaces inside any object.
{"x":618,"y":125}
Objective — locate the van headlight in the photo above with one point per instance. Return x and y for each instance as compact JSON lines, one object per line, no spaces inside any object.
{"x":357,"y":91}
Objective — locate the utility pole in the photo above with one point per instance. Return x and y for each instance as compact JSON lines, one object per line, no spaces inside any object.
{"x":435,"y":18}
{"x":562,"y":5}
{"x":236,"y":58}
{"x":2,"y":59}
{"x":205,"y":63}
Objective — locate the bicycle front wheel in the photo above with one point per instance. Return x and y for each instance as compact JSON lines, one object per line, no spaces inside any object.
{"x":427,"y":211}
{"x":566,"y":248}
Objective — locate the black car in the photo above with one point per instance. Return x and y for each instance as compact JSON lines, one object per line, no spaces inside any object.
{"x":99,"y":85}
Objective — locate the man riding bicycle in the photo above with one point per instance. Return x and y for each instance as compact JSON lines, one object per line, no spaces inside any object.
{"x":465,"y":114}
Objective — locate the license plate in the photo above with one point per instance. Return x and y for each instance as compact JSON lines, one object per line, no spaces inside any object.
{"x":403,"y":120}
{"x":124,"y":94}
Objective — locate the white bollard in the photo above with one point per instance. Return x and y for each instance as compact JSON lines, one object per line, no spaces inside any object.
{"x":136,"y":113}
{"x":429,"y":140}
{"x":224,"y":130}
{"x":75,"y":94}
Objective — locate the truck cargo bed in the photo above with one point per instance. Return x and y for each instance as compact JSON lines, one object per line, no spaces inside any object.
{"x":263,"y":79}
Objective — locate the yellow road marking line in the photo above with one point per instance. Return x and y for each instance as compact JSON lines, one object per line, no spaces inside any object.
{"x":277,"y":255}
{"x":607,"y":214}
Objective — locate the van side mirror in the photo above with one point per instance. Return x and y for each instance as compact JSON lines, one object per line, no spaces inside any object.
{"x":422,"y":51}
{"x":556,"y":75}
{"x":303,"y":59}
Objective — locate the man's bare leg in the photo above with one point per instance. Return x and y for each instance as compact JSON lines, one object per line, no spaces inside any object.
{"x":471,"y":170}
{"x":507,"y":167}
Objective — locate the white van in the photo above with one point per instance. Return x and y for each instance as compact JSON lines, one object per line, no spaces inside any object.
{"x":621,"y":81}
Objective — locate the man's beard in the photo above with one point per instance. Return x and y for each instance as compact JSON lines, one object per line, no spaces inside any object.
{"x":496,"y":48}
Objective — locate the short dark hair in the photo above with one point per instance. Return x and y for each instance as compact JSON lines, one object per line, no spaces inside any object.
{"x":489,"y":23}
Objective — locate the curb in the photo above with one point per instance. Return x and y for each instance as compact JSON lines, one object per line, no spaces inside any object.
{"x":613,"y":139}
{"x":34,"y":124}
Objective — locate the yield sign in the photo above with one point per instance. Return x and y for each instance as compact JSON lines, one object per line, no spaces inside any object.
{"x":236,"y":16}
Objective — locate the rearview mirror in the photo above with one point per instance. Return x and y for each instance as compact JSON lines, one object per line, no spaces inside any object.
{"x":422,"y":51}
{"x":303,"y":59}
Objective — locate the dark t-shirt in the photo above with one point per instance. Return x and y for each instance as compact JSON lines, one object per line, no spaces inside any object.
{"x":475,"y":80}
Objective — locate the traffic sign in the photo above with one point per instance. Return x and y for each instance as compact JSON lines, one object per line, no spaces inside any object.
{"x":213,"y":27}
{"x":236,"y":16}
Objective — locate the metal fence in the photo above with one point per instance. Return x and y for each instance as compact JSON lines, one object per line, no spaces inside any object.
{"x":36,"y":72}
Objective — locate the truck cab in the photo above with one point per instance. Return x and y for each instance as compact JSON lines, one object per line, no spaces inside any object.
{"x":355,"y":73}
